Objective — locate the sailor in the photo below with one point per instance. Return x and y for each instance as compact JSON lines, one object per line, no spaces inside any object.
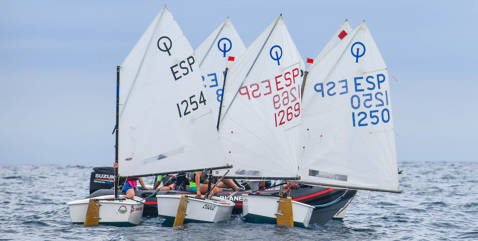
{"x":167,"y":180}
{"x":201,"y":186}
{"x":201,"y":180}
{"x":291,"y":185}
{"x":177,"y":182}
{"x":181,"y":181}
{"x":157,"y":182}
{"x":129,"y":186}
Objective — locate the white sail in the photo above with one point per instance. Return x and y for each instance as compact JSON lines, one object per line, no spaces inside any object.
{"x":337,"y":38}
{"x":348,"y":128}
{"x":261,"y":107}
{"x":166,"y":124}
{"x":132,"y":63}
{"x":213,"y":55}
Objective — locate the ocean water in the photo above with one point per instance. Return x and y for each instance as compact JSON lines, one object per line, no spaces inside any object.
{"x":439,"y":202}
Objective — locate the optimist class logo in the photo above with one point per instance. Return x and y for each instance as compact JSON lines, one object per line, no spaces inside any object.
{"x":358,"y":50}
{"x":277,"y":50}
{"x":224,"y":45}
{"x":165,"y":44}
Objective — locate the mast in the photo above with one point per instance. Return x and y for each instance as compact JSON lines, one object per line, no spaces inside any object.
{"x":220,"y":104}
{"x":117,"y":128}
{"x":303,"y":83}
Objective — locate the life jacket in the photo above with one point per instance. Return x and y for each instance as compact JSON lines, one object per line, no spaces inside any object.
{"x":203,"y":178}
{"x":132,"y":181}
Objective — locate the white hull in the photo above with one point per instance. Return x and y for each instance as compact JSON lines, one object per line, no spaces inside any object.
{"x":263,"y":209}
{"x":199,"y":210}
{"x":119,"y":212}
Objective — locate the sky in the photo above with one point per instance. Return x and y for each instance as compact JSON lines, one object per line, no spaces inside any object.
{"x":58,"y":67}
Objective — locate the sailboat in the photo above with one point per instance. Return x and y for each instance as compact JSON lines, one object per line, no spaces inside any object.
{"x":348,"y":138}
{"x":169,"y":125}
{"x":165,"y":124}
{"x":261,"y":119}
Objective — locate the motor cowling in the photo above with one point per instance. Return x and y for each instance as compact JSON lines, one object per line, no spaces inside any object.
{"x":102,"y":178}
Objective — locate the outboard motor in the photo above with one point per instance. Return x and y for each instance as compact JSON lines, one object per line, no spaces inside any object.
{"x":102,"y":178}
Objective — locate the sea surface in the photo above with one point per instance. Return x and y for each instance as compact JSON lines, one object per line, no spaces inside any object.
{"x":439,"y":202}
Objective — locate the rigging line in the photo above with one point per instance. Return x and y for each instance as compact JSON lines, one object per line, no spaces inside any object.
{"x":210,"y":191}
{"x":213,"y":43}
{"x":253,"y":63}
{"x":152,"y":194}
{"x":276,"y":185}
{"x":141,"y":63}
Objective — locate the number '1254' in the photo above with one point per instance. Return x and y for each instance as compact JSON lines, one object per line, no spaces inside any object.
{"x":186,"y":107}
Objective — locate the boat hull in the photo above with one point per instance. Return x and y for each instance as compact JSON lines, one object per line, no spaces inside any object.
{"x":198,"y":210}
{"x":343,"y":211}
{"x":120,"y":212}
{"x":326,"y":210}
{"x":329,"y":201}
{"x":263,"y":209}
